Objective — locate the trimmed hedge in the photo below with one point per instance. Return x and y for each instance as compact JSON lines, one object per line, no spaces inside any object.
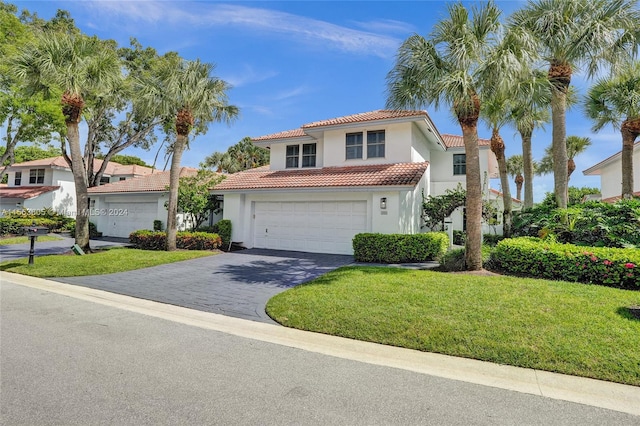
{"x":223,"y":228}
{"x":528,"y":256}
{"x":399,"y":248}
{"x":93,"y":230}
{"x":157,"y":240}
{"x":14,"y":226}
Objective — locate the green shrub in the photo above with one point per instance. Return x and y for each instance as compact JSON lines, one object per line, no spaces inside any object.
{"x":156,"y":240}
{"x":453,"y":261}
{"x":15,"y":226}
{"x":491,"y":239}
{"x":157,"y":225}
{"x":537,"y":258}
{"x":398,"y":248}
{"x":15,"y":220}
{"x":459,"y":237}
{"x":223,"y":228}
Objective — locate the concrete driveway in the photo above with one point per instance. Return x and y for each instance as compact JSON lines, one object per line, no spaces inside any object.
{"x":237,"y":284}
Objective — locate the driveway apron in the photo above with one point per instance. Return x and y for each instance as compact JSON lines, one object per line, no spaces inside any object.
{"x":236,"y":284}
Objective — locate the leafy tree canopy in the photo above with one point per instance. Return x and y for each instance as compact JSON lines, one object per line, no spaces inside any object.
{"x":241,"y":156}
{"x":194,"y":198}
{"x":126,"y":160}
{"x":576,"y":195}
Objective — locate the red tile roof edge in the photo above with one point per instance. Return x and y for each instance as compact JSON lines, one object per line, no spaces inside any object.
{"x":25,"y":192}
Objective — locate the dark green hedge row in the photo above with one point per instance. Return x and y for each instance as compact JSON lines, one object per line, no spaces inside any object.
{"x":222,"y":228}
{"x":14,"y":226}
{"x":157,"y":240}
{"x":93,"y":230}
{"x":537,"y":258}
{"x":399,"y":248}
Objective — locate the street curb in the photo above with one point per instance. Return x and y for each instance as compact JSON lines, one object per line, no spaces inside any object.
{"x":597,"y":393}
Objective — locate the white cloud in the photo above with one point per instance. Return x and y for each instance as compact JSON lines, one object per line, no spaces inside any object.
{"x":248,"y":75}
{"x":301,"y":29}
{"x":387,"y":26}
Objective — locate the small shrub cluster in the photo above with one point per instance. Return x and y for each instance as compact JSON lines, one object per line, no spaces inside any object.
{"x":454,"y":261}
{"x":398,"y":248}
{"x":14,"y":221}
{"x":537,"y":258}
{"x":157,"y":240}
{"x":594,"y":223}
{"x":93,"y":230}
{"x":222,"y":228}
{"x":491,"y":239}
{"x":459,"y":237}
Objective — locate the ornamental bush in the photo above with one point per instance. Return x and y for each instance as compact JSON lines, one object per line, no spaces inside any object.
{"x":15,"y":226}
{"x":157,"y":240}
{"x":223,"y":228}
{"x":528,"y":256}
{"x":399,"y":248}
{"x":14,"y":220}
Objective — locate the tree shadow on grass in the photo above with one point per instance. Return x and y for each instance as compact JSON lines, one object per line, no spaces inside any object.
{"x":631,"y":313}
{"x":10,"y":265}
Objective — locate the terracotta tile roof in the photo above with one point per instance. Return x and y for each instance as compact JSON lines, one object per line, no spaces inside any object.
{"x":25,"y":192}
{"x":349,"y":119}
{"x":112,"y":168}
{"x":454,"y":141}
{"x":381,"y":114}
{"x":296,"y":133}
{"x":153,"y":182}
{"x":618,"y":198}
{"x":401,"y":174}
{"x":500,"y":194}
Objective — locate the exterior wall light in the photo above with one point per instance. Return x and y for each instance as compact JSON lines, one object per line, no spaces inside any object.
{"x":383,"y":203}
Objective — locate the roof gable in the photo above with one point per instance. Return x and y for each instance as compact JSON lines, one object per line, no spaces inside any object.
{"x":154,"y":182}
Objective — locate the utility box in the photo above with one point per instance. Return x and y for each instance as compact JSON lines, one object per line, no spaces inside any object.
{"x":35,"y":231}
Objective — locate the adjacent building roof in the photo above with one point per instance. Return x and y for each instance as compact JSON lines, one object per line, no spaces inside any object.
{"x":453,"y":141}
{"x":401,"y":174}
{"x":501,"y":195}
{"x":112,"y":168}
{"x":25,"y":192}
{"x":596,"y":169}
{"x":619,"y":197}
{"x":155,"y":182}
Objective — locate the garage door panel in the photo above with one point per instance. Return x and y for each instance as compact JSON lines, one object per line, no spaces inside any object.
{"x":124,"y":218}
{"x":317,"y":226}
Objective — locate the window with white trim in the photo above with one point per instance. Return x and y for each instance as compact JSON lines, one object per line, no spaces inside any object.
{"x":17,"y":180}
{"x":36,"y":176}
{"x":375,"y":144}
{"x":459,"y":164}
{"x":309,"y":155}
{"x":354,"y":146}
{"x":293,"y":152}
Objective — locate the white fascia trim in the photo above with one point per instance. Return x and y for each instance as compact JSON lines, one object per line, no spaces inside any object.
{"x":318,"y":189}
{"x":288,"y":141}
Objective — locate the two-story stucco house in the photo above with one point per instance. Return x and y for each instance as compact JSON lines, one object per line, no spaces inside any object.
{"x":48,"y":183}
{"x":610,"y":172}
{"x":332,"y":179}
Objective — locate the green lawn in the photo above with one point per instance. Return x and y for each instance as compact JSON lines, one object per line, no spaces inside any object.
{"x":577,"y":329}
{"x":104,"y":262}
{"x":23,"y":240}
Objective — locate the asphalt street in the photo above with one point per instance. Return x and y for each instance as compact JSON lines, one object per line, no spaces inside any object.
{"x":67,"y":361}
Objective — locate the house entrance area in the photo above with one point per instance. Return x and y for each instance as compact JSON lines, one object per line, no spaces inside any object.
{"x":316,"y":226}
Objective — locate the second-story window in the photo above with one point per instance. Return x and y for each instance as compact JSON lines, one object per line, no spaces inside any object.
{"x":36,"y":176}
{"x":17,"y":181}
{"x":354,"y":146}
{"x":375,"y":144}
{"x":459,"y":164}
{"x":293,"y":152}
{"x":309,"y":155}
{"x":104,"y":180}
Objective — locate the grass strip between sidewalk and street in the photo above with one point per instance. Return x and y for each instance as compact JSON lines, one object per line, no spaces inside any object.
{"x":26,"y":240}
{"x":577,"y":329}
{"x":116,"y":259}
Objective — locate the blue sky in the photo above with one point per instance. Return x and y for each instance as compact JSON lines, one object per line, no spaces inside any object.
{"x":293,"y":62}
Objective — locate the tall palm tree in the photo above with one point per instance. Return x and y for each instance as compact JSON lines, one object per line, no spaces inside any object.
{"x":571,"y":34}
{"x":575,"y":145}
{"x":189,"y":97}
{"x":76,"y":68}
{"x":616,"y":101}
{"x":449,"y":68}
{"x":515,"y":168}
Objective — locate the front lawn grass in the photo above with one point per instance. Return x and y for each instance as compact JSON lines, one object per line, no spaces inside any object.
{"x":577,"y":329}
{"x":24,"y":240}
{"x":103,"y":262}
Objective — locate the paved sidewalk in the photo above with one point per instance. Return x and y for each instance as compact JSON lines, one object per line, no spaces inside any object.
{"x":237,"y":284}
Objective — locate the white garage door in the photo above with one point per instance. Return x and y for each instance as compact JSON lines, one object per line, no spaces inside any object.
{"x":124,"y":218}
{"x":318,"y":227}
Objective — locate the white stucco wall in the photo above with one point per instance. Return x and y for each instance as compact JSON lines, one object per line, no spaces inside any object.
{"x":611,"y":176}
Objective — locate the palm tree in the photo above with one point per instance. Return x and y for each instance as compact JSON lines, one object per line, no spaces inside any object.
{"x":571,"y":34}
{"x":76,"y":68}
{"x":515,"y":168}
{"x":185,"y":93}
{"x":616,"y":101}
{"x":575,"y":145}
{"x":241,"y":156}
{"x":449,"y":68}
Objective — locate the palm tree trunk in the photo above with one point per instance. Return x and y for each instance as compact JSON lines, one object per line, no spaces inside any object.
{"x":174,"y":180}
{"x":527,"y":160}
{"x":80,"y":180}
{"x":497,"y":146}
{"x":560,"y":78}
{"x":519,"y":180}
{"x":629,"y":135}
{"x":473,"y":245}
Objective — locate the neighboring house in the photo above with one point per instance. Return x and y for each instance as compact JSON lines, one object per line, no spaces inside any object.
{"x":120,"y":208}
{"x":610,"y":172}
{"x":332,"y":179}
{"x":48,"y":183}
